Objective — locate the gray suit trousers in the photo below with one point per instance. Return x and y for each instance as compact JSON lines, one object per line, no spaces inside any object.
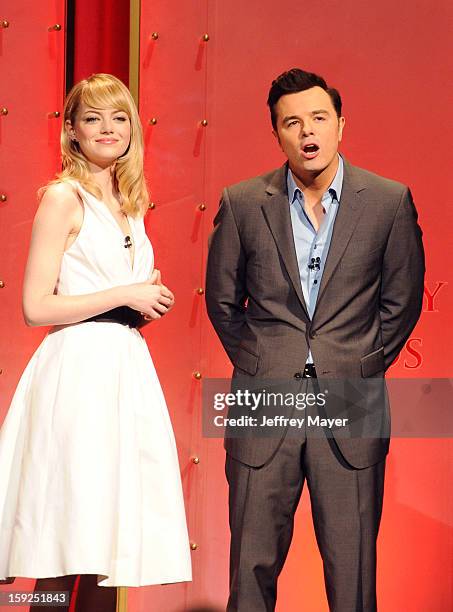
{"x":346,"y":506}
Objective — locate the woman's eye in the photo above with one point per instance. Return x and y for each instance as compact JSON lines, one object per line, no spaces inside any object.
{"x":121,"y":118}
{"x":90,"y":119}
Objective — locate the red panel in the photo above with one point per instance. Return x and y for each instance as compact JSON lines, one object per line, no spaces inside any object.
{"x":396,"y":97}
{"x":173,"y":91}
{"x":32,"y":69}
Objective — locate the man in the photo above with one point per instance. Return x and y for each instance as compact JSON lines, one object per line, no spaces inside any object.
{"x":314,"y":270}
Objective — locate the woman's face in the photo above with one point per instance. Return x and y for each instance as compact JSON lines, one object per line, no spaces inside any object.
{"x":103,"y":134}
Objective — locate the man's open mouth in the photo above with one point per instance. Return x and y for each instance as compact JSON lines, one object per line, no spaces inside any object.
{"x":310,"y":150}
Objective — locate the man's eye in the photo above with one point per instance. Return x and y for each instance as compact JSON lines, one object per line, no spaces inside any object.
{"x":319,"y":118}
{"x":292,"y":123}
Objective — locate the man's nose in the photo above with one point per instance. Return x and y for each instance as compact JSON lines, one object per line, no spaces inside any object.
{"x":307,"y":128}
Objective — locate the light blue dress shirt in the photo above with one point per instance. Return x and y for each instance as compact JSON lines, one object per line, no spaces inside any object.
{"x":311,"y":246}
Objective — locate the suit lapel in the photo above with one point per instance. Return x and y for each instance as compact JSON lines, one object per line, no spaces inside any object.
{"x":349,"y":212}
{"x":276,"y":211}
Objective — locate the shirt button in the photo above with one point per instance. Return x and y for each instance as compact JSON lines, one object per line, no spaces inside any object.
{"x":315,"y":246}
{"x":312,"y":334}
{"x":315,"y":282}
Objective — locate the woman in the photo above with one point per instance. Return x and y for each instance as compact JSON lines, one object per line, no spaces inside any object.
{"x":90,"y":477}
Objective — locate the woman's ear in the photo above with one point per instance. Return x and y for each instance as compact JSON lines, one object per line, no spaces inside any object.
{"x":70,"y":130}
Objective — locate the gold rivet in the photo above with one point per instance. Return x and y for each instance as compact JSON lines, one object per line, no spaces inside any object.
{"x":196,"y":460}
{"x":197,"y":375}
{"x":155,"y":35}
{"x":206,"y":37}
{"x":204,"y":123}
{"x":2,"y":284}
{"x":3,"y":197}
{"x":193,"y":546}
{"x":200,"y":290}
{"x":54,"y":114}
{"x":5,"y":23}
{"x":151,"y":206}
{"x":4,"y":110}
{"x":153,"y":121}
{"x":56,"y":27}
{"x":202,"y":207}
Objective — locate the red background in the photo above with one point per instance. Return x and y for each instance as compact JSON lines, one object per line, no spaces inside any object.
{"x":391,"y":63}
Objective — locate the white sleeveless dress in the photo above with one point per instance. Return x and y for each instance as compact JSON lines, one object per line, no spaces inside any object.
{"x":89,"y":473}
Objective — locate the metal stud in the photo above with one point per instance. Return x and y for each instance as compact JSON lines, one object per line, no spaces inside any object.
{"x":2,"y":284}
{"x":197,"y":375}
{"x":205,"y":37}
{"x":193,"y":546}
{"x":3,"y":197}
{"x":4,"y":23}
{"x":56,"y":27}
{"x":202,"y":207}
{"x":196,"y":460}
{"x":151,"y":206}
{"x":153,"y":121}
{"x":204,"y":122}
{"x":155,"y":35}
{"x":200,"y":290}
{"x":54,"y":115}
{"x":3,"y":110}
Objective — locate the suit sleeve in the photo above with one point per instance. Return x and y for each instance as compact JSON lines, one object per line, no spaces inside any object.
{"x":402,"y":281}
{"x":225,"y":279}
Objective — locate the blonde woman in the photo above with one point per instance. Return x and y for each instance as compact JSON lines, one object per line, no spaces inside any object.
{"x":90,"y":482}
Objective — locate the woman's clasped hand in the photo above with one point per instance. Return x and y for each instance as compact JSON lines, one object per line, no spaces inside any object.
{"x":151,"y":298}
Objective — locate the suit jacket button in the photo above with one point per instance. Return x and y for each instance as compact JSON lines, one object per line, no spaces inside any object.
{"x":298,"y":375}
{"x":312,"y":334}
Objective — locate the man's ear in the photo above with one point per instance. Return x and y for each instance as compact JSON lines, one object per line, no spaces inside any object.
{"x":341,"y":122}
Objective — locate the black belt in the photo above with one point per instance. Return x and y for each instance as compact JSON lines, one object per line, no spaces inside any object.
{"x":121,"y":314}
{"x":309,"y":371}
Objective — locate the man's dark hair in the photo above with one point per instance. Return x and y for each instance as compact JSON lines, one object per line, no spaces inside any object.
{"x":295,"y":80}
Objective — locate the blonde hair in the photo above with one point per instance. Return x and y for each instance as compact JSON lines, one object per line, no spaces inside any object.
{"x":106,"y":91}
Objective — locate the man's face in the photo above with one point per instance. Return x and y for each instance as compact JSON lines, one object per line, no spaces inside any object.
{"x":308,"y":131}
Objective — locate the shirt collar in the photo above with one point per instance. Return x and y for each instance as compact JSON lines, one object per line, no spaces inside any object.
{"x":334,"y":189}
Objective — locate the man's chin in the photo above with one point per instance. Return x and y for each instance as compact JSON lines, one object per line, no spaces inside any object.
{"x":310,"y":167}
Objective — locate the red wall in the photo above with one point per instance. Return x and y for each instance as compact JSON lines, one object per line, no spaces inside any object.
{"x":32,"y":89}
{"x":390,"y":62}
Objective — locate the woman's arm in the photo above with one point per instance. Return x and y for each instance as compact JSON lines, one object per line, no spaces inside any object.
{"x":54,"y":221}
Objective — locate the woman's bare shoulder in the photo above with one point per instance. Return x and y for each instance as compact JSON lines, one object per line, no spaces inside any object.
{"x":60,"y":191}
{"x":61,"y":196}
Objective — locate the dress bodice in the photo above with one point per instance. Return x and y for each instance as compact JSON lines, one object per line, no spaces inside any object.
{"x":98,"y":258}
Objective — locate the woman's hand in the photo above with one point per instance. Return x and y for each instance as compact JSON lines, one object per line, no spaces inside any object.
{"x":150,"y":298}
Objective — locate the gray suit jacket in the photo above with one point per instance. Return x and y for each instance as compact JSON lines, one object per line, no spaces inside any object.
{"x":369,"y":300}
